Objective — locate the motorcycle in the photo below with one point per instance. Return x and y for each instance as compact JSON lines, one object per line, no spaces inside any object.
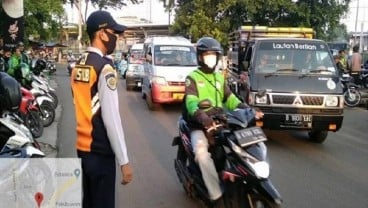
{"x":51,"y":66}
{"x":352,"y":96}
{"x":41,"y":83}
{"x":30,"y":113}
{"x":240,"y":157}
{"x":71,"y":64}
{"x":15,"y":138}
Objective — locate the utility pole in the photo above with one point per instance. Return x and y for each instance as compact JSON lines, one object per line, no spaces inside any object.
{"x":80,"y":27}
{"x":356,"y":22}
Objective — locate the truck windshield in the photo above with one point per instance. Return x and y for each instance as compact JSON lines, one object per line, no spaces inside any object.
{"x":170,"y":55}
{"x":293,"y":57}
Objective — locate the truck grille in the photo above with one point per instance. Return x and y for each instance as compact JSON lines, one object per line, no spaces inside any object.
{"x":283,"y":99}
{"x":292,"y":99}
{"x":312,"y":100}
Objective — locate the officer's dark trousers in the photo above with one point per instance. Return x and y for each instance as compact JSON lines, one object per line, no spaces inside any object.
{"x":98,"y":180}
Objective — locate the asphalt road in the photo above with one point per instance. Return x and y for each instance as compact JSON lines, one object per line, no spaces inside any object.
{"x":332,"y":174}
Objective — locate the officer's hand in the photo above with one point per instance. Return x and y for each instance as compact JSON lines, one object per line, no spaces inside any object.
{"x":259,"y":114}
{"x":126,"y":174}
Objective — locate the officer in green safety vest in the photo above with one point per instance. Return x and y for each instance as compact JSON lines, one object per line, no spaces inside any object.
{"x":343,"y":60}
{"x":201,"y":84}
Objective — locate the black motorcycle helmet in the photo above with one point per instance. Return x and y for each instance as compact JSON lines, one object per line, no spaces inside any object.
{"x":41,"y":64}
{"x":10,"y":93}
{"x":208,"y":44}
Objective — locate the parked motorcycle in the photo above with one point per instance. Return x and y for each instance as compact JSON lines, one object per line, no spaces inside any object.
{"x":15,"y":138}
{"x":38,"y":66}
{"x":30,"y":113}
{"x":240,"y":157}
{"x":352,"y":96}
{"x":42,"y":84}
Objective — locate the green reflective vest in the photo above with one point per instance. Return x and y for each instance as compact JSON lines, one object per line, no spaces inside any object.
{"x":209,"y":86}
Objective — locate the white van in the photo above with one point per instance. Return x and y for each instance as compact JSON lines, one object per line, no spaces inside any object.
{"x":136,"y":53}
{"x":168,"y":60}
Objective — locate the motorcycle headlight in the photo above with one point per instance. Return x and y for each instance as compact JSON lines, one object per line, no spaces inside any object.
{"x":261,"y":169}
{"x":332,"y":101}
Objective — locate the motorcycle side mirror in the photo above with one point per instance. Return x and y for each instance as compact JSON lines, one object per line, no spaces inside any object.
{"x":205,"y":104}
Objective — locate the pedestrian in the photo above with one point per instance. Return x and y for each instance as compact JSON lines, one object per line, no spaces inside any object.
{"x":14,"y":68}
{"x":100,"y":135}
{"x":7,"y":55}
{"x":2,"y":60}
{"x":25,"y":58}
{"x":356,"y":62}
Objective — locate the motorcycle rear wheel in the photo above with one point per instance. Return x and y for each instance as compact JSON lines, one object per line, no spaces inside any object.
{"x":352,"y":97}
{"x":34,"y":123}
{"x":48,"y":113}
{"x":54,"y":98}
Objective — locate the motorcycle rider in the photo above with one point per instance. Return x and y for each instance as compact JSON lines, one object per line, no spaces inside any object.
{"x":201,"y":84}
{"x":71,"y":60}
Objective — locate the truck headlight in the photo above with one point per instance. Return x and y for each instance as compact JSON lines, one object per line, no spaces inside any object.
{"x":332,"y":101}
{"x":261,"y":99}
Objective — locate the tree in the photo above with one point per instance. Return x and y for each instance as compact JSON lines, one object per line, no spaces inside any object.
{"x":100,"y":4}
{"x":219,"y":17}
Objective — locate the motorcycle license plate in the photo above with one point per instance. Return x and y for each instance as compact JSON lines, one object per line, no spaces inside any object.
{"x":250,"y":136}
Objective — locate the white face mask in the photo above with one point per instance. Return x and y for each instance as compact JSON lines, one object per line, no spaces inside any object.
{"x":210,"y":60}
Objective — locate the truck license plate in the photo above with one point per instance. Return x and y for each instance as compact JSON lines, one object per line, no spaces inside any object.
{"x":298,"y":120}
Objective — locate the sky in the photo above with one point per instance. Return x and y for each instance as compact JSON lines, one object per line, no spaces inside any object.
{"x":149,"y":9}
{"x":352,"y":16}
{"x":154,"y":10}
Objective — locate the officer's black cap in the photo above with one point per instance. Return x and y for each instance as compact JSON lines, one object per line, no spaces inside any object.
{"x":103,"y":20}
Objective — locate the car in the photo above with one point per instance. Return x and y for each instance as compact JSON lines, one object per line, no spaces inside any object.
{"x":133,"y":76}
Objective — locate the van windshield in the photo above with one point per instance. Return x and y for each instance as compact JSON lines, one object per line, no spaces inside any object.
{"x":280,"y":57}
{"x":135,"y":55}
{"x":170,"y":55}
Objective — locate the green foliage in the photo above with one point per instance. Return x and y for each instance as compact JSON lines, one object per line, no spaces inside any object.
{"x":216,"y":18}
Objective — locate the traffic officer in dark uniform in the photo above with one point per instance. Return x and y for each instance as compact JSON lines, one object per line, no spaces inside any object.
{"x":100,"y":135}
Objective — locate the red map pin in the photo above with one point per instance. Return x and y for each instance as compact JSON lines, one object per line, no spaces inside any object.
{"x":39,"y":198}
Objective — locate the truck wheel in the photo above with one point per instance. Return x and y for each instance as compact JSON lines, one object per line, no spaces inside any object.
{"x":318,"y":136}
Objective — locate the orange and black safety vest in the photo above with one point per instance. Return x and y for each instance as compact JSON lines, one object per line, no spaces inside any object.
{"x":91,"y":131}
